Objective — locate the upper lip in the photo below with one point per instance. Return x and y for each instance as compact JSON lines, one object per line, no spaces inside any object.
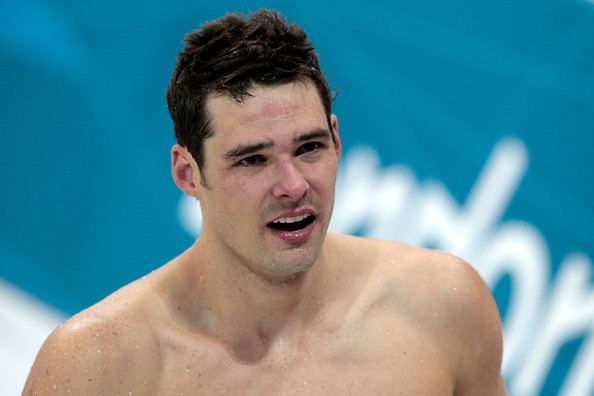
{"x":294,"y":213}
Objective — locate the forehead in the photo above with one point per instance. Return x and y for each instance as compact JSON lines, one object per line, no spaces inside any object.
{"x":291,"y":107}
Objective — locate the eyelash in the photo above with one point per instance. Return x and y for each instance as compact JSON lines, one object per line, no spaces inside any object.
{"x":255,"y":160}
{"x":244,"y":161}
{"x":317,"y":147}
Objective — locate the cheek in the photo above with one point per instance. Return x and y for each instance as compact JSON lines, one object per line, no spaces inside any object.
{"x":324,"y":177}
{"x":244,"y":192}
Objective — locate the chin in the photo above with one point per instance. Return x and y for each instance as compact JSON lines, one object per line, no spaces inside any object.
{"x":296,"y":263}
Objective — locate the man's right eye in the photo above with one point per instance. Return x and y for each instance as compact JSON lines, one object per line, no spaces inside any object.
{"x":252,"y":160}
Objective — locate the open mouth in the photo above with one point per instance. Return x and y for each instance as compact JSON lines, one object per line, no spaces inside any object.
{"x":292,"y":223}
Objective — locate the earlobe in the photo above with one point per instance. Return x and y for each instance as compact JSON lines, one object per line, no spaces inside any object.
{"x":184,"y":170}
{"x":337,"y":144}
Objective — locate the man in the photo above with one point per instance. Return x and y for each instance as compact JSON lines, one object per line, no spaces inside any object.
{"x":265,"y":301}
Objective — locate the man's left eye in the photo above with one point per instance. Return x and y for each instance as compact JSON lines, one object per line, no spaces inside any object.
{"x":309,"y":147}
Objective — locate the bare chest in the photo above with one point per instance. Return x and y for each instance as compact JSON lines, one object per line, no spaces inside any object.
{"x":398,"y":365}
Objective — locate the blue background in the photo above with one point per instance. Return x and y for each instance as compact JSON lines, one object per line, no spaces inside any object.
{"x":87,"y":201}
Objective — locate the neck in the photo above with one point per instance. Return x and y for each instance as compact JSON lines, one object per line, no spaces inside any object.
{"x":245,"y":310}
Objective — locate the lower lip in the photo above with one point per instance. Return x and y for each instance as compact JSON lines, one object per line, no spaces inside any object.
{"x":299,"y":236}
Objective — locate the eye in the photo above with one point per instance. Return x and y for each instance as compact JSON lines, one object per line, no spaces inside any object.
{"x":309,"y":147}
{"x":252,"y":160}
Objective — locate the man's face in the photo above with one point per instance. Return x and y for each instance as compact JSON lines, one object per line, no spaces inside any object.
{"x":270,"y":170}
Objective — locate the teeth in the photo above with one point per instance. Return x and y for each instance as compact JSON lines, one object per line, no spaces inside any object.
{"x":291,"y":219}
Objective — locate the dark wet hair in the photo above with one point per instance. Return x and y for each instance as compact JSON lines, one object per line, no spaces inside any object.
{"x":230,"y":55}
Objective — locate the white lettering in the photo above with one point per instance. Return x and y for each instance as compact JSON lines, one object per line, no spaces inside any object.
{"x":190,"y":215}
{"x":519,"y":250}
{"x":570,"y":314}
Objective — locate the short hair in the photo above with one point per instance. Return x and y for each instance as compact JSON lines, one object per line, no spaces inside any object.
{"x":231,"y":55}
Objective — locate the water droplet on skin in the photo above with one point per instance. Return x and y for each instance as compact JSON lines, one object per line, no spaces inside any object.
{"x":54,"y":386}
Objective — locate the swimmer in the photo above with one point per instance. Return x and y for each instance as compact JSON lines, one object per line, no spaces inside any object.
{"x":266,"y":301}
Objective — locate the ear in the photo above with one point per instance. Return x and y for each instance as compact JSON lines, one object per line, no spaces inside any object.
{"x":337,"y":144}
{"x":184,"y":171}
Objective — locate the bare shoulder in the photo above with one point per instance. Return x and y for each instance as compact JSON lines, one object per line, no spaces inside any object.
{"x":437,"y":280}
{"x":402,"y":260}
{"x":446,"y":298}
{"x":101,"y":351}
{"x":430,"y":281}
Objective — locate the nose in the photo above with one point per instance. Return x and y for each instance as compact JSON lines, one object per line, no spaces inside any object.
{"x":290,"y":184}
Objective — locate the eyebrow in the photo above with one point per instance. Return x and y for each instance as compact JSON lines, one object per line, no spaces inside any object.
{"x":315,"y":134}
{"x":246,"y":149}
